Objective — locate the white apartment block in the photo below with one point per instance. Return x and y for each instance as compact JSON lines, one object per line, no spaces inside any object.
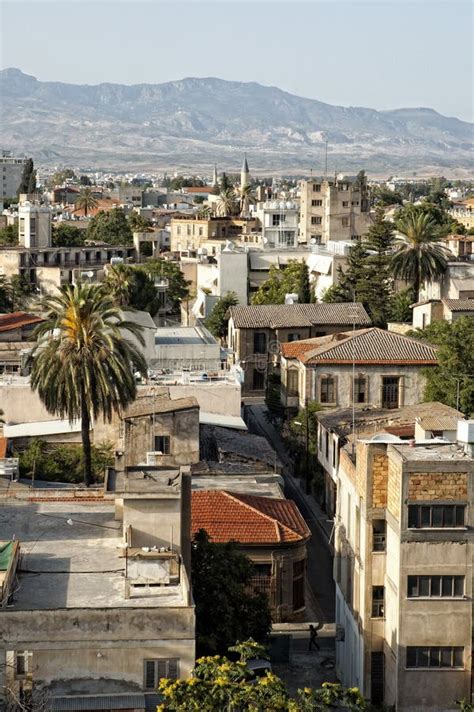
{"x":279,"y":223}
{"x":333,"y":209}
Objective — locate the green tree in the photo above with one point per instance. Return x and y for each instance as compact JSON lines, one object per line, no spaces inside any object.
{"x":452,"y":381}
{"x":66,"y":235}
{"x":218,"y":319}
{"x":199,"y":199}
{"x":5,"y":295}
{"x":227,"y":204}
{"x":61,"y":177}
{"x":86,"y":201}
{"x":219,"y":683}
{"x":82,"y":366}
{"x":352,"y":283}
{"x":420,"y":256}
{"x":220,"y":578}
{"x":28,"y":178}
{"x":118,"y":283}
{"x":377,"y":284}
{"x":62,"y":463}
{"x":131,"y":287}
{"x":85,"y":180}
{"x":9,"y":236}
{"x":383,"y":196}
{"x":400,"y":306}
{"x":293,"y":279}
{"x":178,"y":286}
{"x":110,"y":227}
{"x":21,"y":288}
{"x":138,"y":223}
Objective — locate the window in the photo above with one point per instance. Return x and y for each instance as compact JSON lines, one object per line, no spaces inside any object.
{"x":200,"y":232}
{"x":298,"y":584}
{"x":436,"y":516}
{"x":435,"y":587}
{"x":360,"y":389}
{"x":390,"y":391}
{"x":178,"y":229}
{"x":345,"y":222}
{"x":355,"y":203}
{"x":327,"y":388}
{"x":155,"y":669}
{"x":293,"y":337}
{"x":21,"y":663}
{"x":435,"y":657}
{"x":345,"y":203}
{"x":316,"y":187}
{"x":317,"y":239}
{"x":260,"y":342}
{"x":377,"y":677}
{"x":292,"y":382}
{"x":316,"y":203}
{"x":162,"y":444}
{"x":378,"y":601}
{"x":316,"y":220}
{"x":278,"y":219}
{"x":379,"y":534}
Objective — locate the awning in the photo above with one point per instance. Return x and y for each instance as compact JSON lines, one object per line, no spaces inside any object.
{"x":41,"y":428}
{"x":223,"y":421}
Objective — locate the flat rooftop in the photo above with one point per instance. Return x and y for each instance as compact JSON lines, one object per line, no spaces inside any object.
{"x":449,"y":452}
{"x":183,"y":335}
{"x":75,"y":565}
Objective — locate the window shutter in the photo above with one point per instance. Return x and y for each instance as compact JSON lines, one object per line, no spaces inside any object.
{"x":150,"y":682}
{"x":173,"y":669}
{"x":161,"y":669}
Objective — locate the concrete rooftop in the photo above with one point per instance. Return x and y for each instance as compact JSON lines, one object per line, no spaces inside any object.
{"x":72,"y":566}
{"x":449,"y":452}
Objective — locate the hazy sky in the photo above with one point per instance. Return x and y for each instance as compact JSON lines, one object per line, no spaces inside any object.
{"x":383,"y":54}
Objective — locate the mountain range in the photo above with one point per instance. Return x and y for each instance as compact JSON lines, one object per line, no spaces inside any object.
{"x":194,"y":123}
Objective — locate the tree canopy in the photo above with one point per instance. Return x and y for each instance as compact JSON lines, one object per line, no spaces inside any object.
{"x":178,"y":286}
{"x":66,"y":235}
{"x":292,"y":279}
{"x":218,"y":319}
{"x":220,"y":577}
{"x":28,"y":178}
{"x":219,"y":683}
{"x":9,"y":236}
{"x":452,"y":381}
{"x":110,"y":227}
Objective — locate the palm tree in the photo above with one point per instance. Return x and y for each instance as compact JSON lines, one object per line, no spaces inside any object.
{"x":226,"y":203}
{"x":86,"y":201}
{"x":419,"y":255}
{"x":82,"y":366}
{"x":118,"y":283}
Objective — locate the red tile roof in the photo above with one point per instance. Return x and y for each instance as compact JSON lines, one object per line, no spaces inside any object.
{"x":16,"y":320}
{"x":228,"y":516}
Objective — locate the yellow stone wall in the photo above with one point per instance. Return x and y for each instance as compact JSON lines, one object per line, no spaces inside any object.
{"x":429,"y":486}
{"x":379,"y":481}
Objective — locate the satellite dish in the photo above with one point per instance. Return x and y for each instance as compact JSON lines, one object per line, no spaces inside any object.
{"x":312,"y":241}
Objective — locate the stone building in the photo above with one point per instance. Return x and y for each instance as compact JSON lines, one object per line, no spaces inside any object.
{"x":94,"y":620}
{"x":424,"y":313}
{"x":256,"y":332}
{"x":333,"y":209}
{"x":370,"y":366}
{"x":403,"y":570}
{"x":191,"y":233}
{"x":271,"y":532}
{"x":16,"y":339}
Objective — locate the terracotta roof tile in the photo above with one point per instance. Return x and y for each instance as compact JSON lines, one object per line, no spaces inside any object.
{"x":281,"y":316}
{"x":16,"y":320}
{"x":459,"y":304}
{"x":247,"y":519}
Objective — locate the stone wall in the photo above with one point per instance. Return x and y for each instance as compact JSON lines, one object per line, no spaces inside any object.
{"x":394,"y":489}
{"x":423,"y":486}
{"x":379,"y":481}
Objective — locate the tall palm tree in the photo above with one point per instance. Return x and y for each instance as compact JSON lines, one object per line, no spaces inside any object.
{"x":82,"y":366}
{"x":118,"y":283}
{"x":419,"y":255}
{"x":227,"y":203}
{"x":86,"y":201}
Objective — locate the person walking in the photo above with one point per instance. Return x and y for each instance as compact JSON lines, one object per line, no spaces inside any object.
{"x":313,"y":634}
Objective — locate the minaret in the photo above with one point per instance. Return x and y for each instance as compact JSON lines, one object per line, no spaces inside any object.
{"x":244,"y":174}
{"x":215,"y":181}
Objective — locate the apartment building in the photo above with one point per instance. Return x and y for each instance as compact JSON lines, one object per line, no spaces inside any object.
{"x":333,"y":209}
{"x":403,"y":570}
{"x":190,"y":234}
{"x":279,"y":222}
{"x":11,"y":170}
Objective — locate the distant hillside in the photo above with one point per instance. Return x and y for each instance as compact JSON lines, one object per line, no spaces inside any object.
{"x":196,"y":122}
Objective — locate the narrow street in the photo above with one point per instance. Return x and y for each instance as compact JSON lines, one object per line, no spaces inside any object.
{"x":320,"y":558}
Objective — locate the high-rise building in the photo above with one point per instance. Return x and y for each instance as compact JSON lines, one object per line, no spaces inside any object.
{"x":403,"y":566}
{"x":333,"y":209}
{"x":34,"y":225}
{"x":11,"y":170}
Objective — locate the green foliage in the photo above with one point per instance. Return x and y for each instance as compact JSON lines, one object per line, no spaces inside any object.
{"x":138,"y":223}
{"x":9,"y":235}
{"x":61,"y":177}
{"x":110,"y":227}
{"x":132,"y":287}
{"x":83,"y":366}
{"x":63,"y":463}
{"x":199,"y":199}
{"x":218,"y":319}
{"x":453,"y":378}
{"x":294,"y":278}
{"x":28,"y":178}
{"x":383,"y":196}
{"x":65,"y":235}
{"x":218,"y":683}
{"x":419,"y":255}
{"x":178,"y":288}
{"x":85,"y":180}
{"x":400,"y":306}
{"x":181,"y":182}
{"x":220,"y":578}
{"x":5,"y":294}
{"x":86,"y":201}
{"x":21,"y":288}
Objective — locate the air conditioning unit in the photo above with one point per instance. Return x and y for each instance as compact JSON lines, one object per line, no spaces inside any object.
{"x":153,"y":458}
